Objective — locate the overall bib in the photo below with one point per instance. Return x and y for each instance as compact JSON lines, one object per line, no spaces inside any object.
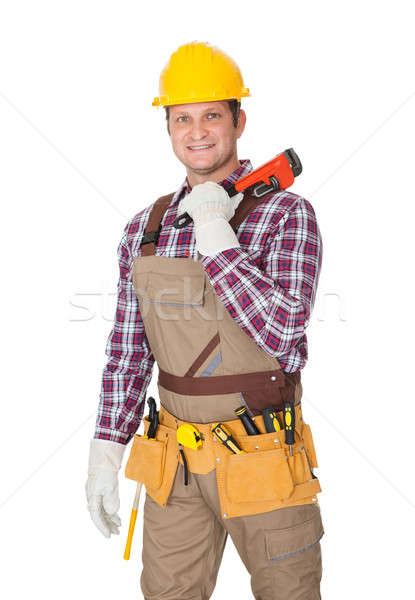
{"x":265,"y":498}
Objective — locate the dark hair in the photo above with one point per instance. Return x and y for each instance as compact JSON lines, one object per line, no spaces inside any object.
{"x":234,"y":106}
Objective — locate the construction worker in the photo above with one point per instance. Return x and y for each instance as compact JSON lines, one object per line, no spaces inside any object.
{"x":221,"y":305}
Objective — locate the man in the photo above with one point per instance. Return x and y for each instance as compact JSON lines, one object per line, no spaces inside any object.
{"x":223,"y":312}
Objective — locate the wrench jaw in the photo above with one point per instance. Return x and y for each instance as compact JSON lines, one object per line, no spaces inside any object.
{"x":295,"y":163}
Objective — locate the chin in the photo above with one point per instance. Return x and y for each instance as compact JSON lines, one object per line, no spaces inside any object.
{"x":203,"y":162}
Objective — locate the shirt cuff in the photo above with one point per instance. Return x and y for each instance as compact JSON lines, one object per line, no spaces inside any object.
{"x":112,"y":435}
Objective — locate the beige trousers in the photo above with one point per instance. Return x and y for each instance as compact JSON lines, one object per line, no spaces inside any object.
{"x":184,"y":541}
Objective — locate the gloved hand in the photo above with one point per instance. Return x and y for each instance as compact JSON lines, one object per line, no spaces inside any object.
{"x":101,"y":488}
{"x":211,"y":208}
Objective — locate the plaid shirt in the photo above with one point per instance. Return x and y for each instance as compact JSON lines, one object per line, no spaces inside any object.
{"x":268,"y":285}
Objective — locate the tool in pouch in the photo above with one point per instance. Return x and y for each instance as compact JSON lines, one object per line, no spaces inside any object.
{"x":277,"y":174}
{"x":224,"y":435}
{"x":151,"y":434}
{"x":271,"y":423}
{"x":189,"y":437}
{"x":289,"y":424}
{"x":271,"y":420}
{"x":247,"y":421}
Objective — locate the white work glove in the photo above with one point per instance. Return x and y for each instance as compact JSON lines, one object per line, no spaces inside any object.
{"x":105,"y":458}
{"x":211,"y":208}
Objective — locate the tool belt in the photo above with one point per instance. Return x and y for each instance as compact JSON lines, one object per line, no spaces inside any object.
{"x":262,"y":479}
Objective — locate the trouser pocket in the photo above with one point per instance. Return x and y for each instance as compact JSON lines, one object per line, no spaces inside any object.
{"x":290,"y":541}
{"x":293,"y":555}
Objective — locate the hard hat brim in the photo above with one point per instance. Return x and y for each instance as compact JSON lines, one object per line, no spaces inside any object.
{"x":164,"y":101}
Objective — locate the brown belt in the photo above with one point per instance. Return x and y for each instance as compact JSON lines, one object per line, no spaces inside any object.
{"x":222,"y":384}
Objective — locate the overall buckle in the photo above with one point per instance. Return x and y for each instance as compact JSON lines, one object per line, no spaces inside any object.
{"x":151,"y":237}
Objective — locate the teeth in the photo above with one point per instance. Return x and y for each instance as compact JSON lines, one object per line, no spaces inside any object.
{"x":200,"y":147}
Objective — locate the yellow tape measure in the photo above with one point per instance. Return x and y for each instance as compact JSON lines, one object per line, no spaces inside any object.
{"x":188,"y":436}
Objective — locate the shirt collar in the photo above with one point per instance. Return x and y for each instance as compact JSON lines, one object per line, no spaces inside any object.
{"x":244,"y":168}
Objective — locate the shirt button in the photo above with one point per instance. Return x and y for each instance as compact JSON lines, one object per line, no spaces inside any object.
{"x":218,"y":460}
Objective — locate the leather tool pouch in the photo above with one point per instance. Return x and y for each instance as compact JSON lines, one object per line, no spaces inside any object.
{"x":154,"y":462}
{"x":267,"y":477}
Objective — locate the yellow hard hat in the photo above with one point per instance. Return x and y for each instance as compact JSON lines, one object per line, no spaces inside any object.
{"x":199,"y":72}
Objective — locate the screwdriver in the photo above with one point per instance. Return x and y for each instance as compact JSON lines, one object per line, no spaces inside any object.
{"x":226,"y":438}
{"x":271,"y":420}
{"x":247,"y":422}
{"x":289,"y":424}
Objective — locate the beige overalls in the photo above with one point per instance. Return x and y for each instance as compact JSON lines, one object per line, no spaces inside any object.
{"x":264,"y":498}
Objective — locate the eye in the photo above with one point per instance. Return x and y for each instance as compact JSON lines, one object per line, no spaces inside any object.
{"x":213,"y":115}
{"x":181,"y":117}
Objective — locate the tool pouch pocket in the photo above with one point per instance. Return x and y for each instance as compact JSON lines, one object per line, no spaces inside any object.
{"x":309,"y":446}
{"x":258,"y":476}
{"x":147,"y":461}
{"x":154,"y":462}
{"x":299,"y":465}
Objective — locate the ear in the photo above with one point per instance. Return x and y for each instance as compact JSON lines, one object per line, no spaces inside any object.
{"x":241,"y":123}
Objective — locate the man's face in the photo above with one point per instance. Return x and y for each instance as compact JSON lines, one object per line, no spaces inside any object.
{"x":204,"y":137}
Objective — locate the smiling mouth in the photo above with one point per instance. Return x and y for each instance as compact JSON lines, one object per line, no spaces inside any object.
{"x":200,"y":147}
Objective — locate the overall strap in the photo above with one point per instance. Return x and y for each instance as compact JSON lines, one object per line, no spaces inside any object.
{"x":153,"y":227}
{"x":248,"y":203}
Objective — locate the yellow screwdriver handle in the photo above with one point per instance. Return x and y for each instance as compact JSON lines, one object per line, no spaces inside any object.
{"x":235,"y":448}
{"x":226,"y":438}
{"x":133,"y":519}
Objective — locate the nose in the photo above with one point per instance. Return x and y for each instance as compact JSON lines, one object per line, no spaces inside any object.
{"x":198,"y":131}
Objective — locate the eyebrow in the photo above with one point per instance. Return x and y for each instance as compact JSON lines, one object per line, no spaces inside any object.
{"x":207,"y":110}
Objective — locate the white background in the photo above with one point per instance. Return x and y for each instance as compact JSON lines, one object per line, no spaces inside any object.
{"x":82,"y":150}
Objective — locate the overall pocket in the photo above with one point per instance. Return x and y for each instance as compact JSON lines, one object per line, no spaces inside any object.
{"x":258,"y":476}
{"x":176,"y":311}
{"x":146,"y":461}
